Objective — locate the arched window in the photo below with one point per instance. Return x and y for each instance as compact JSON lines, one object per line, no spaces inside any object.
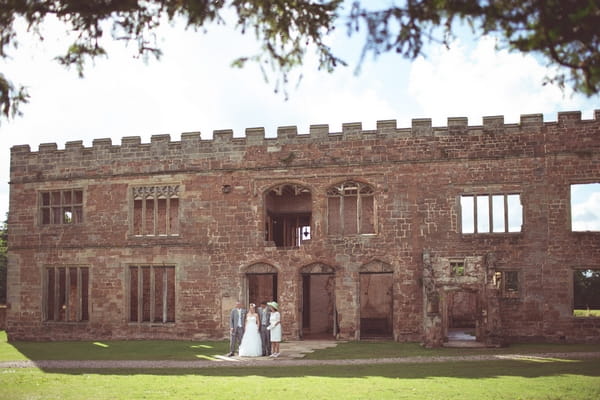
{"x":350,"y":209}
{"x":288,"y":209}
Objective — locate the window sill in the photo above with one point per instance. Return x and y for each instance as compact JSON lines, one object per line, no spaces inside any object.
{"x":175,"y":235}
{"x":66,"y":322}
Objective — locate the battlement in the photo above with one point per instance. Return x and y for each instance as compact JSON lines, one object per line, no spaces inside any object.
{"x":421,"y":127}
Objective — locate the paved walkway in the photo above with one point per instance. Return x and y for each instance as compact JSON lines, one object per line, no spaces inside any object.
{"x":291,"y":355}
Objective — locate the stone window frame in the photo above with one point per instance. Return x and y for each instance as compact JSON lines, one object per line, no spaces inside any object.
{"x":490,"y":195}
{"x":82,"y":284}
{"x":62,"y":206}
{"x":155,"y":193}
{"x":165,"y":319}
{"x":457,"y":265}
{"x":363,"y":190}
{"x":501,"y":282}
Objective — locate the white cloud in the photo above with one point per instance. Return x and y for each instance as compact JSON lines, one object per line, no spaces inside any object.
{"x":481,"y":80}
{"x":585,"y":207}
{"x":193,"y":88}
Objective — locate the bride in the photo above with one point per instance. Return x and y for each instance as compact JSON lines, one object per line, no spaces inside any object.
{"x":251,"y":343}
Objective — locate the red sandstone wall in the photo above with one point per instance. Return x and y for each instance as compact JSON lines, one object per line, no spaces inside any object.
{"x":418,"y":175}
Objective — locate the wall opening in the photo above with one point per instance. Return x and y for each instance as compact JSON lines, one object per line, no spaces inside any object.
{"x":350,"y":209}
{"x":585,"y":207}
{"x":586,"y":293}
{"x":376,"y":305}
{"x":65,"y":296}
{"x":152,"y":294}
{"x":497,"y":213}
{"x":318,"y":313}
{"x":288,"y":210}
{"x":461,"y":315}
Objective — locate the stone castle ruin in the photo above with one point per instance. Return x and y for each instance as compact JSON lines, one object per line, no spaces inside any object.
{"x":397,"y":233}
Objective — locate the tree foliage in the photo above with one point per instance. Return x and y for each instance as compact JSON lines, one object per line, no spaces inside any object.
{"x":586,"y":289}
{"x":564,"y":32}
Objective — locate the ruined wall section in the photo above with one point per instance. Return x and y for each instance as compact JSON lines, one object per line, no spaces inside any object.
{"x":418,"y":174}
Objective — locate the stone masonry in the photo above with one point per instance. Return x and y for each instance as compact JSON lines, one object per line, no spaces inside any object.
{"x":356,"y":234}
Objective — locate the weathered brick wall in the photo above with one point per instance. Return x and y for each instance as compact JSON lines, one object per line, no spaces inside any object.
{"x":417,"y":173}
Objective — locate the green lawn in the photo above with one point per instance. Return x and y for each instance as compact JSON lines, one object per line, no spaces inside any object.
{"x":586,"y":313}
{"x":510,"y":380}
{"x":532,"y":379}
{"x":190,"y":350}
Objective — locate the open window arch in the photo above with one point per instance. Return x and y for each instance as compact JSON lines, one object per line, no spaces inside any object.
{"x":288,"y":214}
{"x":351,"y":208}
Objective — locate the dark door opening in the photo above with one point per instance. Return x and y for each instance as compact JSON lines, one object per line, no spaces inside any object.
{"x":261,"y":287}
{"x":318,"y":306}
{"x":376,"y":305}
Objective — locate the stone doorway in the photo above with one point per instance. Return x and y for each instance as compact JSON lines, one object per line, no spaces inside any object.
{"x":318,"y":311}
{"x":261,"y":283}
{"x":461,"y":315}
{"x":376,"y":305}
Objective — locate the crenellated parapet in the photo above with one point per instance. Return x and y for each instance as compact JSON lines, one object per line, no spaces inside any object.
{"x":387,"y":142}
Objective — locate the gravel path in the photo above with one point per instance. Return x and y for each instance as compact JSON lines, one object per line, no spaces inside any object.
{"x":237,"y":362}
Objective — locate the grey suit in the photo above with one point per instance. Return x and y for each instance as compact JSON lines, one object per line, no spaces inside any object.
{"x":236,"y":323}
{"x":264,"y":313}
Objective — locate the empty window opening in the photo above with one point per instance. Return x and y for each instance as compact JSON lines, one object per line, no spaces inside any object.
{"x":61,"y":207}
{"x":350,"y":209}
{"x":152,"y":294}
{"x":66,"y":294}
{"x":585,"y":207}
{"x":586,"y":293}
{"x":288,"y":215}
{"x":507,"y":282}
{"x":457,"y":268}
{"x":156,"y":210}
{"x":498,"y":213}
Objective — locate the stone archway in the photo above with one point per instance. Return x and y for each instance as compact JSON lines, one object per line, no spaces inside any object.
{"x":376,"y":300}
{"x":317,"y":302}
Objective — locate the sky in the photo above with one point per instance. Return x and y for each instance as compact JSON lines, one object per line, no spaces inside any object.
{"x":194,"y":88}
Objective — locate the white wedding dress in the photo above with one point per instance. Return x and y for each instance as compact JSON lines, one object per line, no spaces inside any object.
{"x":251,"y":345}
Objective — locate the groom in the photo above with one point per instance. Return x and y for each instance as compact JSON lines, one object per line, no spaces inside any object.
{"x":236,"y":323}
{"x":264,"y":313}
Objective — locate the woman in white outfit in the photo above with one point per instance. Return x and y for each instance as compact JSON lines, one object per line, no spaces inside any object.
{"x":251,"y":345}
{"x":275,"y":328}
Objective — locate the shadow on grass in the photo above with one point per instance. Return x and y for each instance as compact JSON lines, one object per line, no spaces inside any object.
{"x":466,"y":370}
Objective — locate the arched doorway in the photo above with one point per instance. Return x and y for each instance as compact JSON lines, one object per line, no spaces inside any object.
{"x":376,"y":300}
{"x":318,"y":313}
{"x":261,"y":283}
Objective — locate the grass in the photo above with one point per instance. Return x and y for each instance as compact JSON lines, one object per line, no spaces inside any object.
{"x":190,"y":350}
{"x":111,"y":350}
{"x":586,"y":313}
{"x":532,"y":379}
{"x":510,"y":380}
{"x":354,"y":350}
